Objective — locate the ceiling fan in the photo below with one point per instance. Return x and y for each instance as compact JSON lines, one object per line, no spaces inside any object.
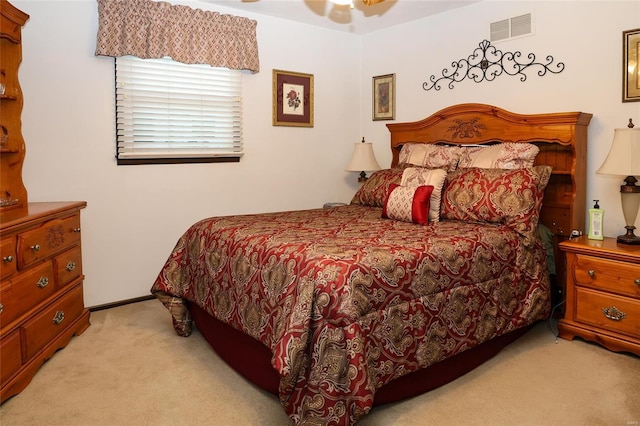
{"x":350,"y":2}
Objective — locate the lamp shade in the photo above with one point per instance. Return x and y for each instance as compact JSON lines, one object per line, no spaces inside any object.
{"x":624,"y":155}
{"x":363,"y":159}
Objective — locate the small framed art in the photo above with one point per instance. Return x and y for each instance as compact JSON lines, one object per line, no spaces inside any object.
{"x":384,"y":97}
{"x":630,"y":66}
{"x":292,"y":99}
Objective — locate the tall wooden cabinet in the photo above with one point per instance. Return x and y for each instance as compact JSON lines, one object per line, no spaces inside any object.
{"x":41,"y":278}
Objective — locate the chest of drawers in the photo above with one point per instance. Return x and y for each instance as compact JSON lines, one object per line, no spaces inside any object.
{"x":603,"y":293}
{"x":41,"y":297}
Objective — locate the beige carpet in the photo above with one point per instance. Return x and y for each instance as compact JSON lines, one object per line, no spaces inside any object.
{"x":130,"y":368}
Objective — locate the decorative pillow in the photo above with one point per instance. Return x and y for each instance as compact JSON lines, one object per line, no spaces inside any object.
{"x":416,"y":176}
{"x":430,"y":155}
{"x":499,"y":156}
{"x":374,"y":191}
{"x":511,"y":197}
{"x":408,"y":203}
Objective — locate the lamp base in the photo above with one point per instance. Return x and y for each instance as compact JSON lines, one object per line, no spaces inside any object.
{"x":629,"y":237}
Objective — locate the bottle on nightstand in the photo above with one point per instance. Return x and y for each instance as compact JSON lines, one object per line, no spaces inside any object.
{"x":596,"y":220}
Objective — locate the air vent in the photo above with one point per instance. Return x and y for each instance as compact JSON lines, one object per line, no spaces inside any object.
{"x":517,"y":26}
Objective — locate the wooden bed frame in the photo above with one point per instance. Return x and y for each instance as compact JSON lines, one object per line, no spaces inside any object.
{"x":562,"y":138}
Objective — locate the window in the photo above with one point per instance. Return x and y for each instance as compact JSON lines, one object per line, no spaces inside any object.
{"x":170,"y":112}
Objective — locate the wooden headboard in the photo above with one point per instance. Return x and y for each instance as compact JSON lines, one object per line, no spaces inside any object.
{"x":561,"y":137}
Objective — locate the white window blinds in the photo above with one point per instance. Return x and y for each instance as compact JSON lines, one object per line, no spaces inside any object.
{"x":169,"y":112}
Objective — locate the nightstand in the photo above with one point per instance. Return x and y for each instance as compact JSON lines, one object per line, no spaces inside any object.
{"x":603,"y":293}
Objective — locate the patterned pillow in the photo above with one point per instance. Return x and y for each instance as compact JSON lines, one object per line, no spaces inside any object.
{"x":374,"y":191}
{"x":417,"y":176}
{"x":511,"y":197}
{"x":429,"y":155}
{"x":499,"y":156}
{"x":408,"y":203}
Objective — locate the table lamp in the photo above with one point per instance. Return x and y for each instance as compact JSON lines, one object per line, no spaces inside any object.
{"x":363,"y":160}
{"x":624,"y":160}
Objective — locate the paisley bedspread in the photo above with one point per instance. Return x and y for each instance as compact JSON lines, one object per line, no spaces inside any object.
{"x":347,"y":301}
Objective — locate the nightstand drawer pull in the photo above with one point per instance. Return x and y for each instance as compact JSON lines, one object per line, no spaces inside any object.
{"x":637,"y":282}
{"x":614,"y":313}
{"x":591,"y":272}
{"x":58,"y":318}
{"x":9,"y":259}
{"x":71,"y":266}
{"x":35,"y":247}
{"x":1,"y":308}
{"x":43,"y":282}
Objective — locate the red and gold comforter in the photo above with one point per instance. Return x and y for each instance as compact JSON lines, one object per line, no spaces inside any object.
{"x":348,"y":301}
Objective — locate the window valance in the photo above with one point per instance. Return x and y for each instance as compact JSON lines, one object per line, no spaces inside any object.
{"x":150,"y":30}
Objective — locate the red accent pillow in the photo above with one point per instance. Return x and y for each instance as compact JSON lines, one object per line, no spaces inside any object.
{"x":408,"y":203}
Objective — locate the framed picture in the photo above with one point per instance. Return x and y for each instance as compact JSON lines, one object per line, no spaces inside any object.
{"x":384,"y":97}
{"x":292,"y":99}
{"x":630,"y":66}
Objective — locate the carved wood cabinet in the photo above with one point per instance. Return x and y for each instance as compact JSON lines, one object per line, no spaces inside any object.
{"x":603,"y":293}
{"x":41,"y":294}
{"x":41,"y":279}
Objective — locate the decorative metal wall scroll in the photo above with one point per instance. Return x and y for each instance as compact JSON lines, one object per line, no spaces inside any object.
{"x":487,"y":63}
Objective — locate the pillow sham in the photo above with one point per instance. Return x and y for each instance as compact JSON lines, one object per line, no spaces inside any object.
{"x":510,"y":197}
{"x":499,"y":156}
{"x":417,"y":176}
{"x":408,"y":203}
{"x":429,"y":155}
{"x":374,"y":191}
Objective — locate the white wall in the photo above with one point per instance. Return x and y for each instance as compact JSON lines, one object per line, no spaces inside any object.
{"x":135,"y":214}
{"x":585,"y":35}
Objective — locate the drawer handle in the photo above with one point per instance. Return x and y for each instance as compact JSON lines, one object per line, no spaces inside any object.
{"x":76,"y":229}
{"x":637,"y":282}
{"x":58,"y":318}
{"x":43,"y":282}
{"x":71,"y":266}
{"x":1,"y":308}
{"x":35,"y":247}
{"x":614,"y":313}
{"x":9,"y":259}
{"x":591,"y":272}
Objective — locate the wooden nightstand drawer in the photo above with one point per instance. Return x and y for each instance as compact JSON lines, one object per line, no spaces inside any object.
{"x":42,"y":328}
{"x":8,"y":256}
{"x":608,"y":312}
{"x":611,"y":275}
{"x":52,"y":237}
{"x":24,"y":291}
{"x":68,"y":266}
{"x":10,"y":355}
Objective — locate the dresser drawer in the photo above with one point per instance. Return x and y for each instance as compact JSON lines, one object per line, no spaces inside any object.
{"x":52,"y":237}
{"x":68,"y":266}
{"x":24,"y":291}
{"x":610,"y":275}
{"x":622,"y":314}
{"x":43,"y":327}
{"x":10,"y":355}
{"x":8,"y":256}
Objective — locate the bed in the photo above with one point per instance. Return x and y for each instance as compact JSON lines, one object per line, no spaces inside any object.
{"x":434,"y":266}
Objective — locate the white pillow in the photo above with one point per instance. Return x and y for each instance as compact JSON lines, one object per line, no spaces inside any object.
{"x":417,"y":176}
{"x":499,"y":156}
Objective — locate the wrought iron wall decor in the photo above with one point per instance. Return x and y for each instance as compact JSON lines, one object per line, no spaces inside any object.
{"x":486,"y":63}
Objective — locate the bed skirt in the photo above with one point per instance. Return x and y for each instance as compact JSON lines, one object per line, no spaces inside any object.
{"x":251,"y":359}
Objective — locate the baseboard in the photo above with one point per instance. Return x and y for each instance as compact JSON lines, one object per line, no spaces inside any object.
{"x":121,"y":303}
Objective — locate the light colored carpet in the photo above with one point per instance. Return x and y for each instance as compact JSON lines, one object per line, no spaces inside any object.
{"x":130,"y":368}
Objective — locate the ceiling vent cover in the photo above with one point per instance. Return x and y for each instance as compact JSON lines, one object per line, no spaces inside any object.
{"x":517,"y":26}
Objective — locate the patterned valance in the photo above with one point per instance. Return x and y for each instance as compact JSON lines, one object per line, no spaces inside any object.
{"x":150,"y":29}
